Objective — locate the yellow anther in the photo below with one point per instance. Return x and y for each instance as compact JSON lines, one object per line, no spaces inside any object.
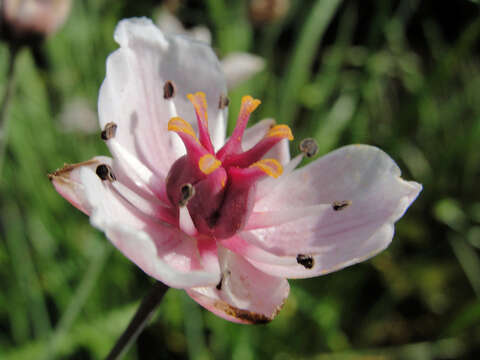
{"x":271,"y":167}
{"x":177,"y":124}
{"x":199,"y":101}
{"x":282,"y":131}
{"x":208,"y":164}
{"x":249,"y":104}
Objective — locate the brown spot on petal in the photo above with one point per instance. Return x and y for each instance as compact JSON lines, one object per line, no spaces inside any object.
{"x":223,"y":102}
{"x":244,"y":315}
{"x":104,"y":172}
{"x":109,"y":131}
{"x":64,"y":172}
{"x":187,"y":191}
{"x":340,"y":205}
{"x":168,"y":90}
{"x":309,"y":147}
{"x":305,"y":260}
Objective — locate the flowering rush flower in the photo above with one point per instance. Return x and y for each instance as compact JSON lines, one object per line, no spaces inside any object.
{"x":228,"y":220}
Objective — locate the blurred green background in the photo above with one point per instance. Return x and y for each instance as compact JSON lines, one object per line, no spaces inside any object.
{"x":402,"y":75}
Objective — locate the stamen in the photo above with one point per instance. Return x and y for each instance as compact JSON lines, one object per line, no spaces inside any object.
{"x":217,"y":135}
{"x":271,"y":167}
{"x":185,"y":222}
{"x":208,"y":164}
{"x":249,"y":104}
{"x":187,"y":192}
{"x":223,"y":102}
{"x":109,"y":131}
{"x":340,"y":205}
{"x":234,"y":145}
{"x":309,"y":147}
{"x":148,"y":205}
{"x":199,"y":102}
{"x":305,"y":260}
{"x":140,"y":174}
{"x":273,"y":137}
{"x":104,"y":172}
{"x":281,"y":131}
{"x":168,"y":90}
{"x":179,"y":125}
{"x":195,"y":150}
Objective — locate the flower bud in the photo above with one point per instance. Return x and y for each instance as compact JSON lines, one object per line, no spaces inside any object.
{"x":24,"y":21}
{"x":268,"y":11}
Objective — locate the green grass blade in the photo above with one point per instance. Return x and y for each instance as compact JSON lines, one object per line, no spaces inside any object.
{"x":299,"y":68}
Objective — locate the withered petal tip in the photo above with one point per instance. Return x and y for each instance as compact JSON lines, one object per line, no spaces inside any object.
{"x":244,"y":315}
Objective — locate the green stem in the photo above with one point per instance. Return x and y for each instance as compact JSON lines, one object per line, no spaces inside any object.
{"x":8,"y":88}
{"x":139,"y":320}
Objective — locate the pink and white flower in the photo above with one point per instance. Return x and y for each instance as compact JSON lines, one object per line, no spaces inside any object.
{"x":228,"y":220}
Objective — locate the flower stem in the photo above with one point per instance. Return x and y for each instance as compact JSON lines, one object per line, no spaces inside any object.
{"x":138,"y":322}
{"x":8,"y":89}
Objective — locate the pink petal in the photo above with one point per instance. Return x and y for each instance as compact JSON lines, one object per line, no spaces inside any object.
{"x":135,"y":228}
{"x":132,"y":94}
{"x":245,"y":294}
{"x":362,"y":175}
{"x":300,"y":266}
{"x":68,"y":184}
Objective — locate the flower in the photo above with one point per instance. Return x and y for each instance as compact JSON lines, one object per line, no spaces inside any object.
{"x":26,"y":19}
{"x":195,"y":211}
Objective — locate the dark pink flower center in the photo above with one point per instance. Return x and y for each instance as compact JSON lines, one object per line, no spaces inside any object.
{"x":218,"y":189}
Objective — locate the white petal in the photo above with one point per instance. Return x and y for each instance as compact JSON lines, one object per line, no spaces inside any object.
{"x":159,"y":249}
{"x":344,"y":174}
{"x":363,"y":175}
{"x":132,"y":94}
{"x":302,"y":266}
{"x":266,"y":185}
{"x":245,"y":294}
{"x":281,"y":152}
